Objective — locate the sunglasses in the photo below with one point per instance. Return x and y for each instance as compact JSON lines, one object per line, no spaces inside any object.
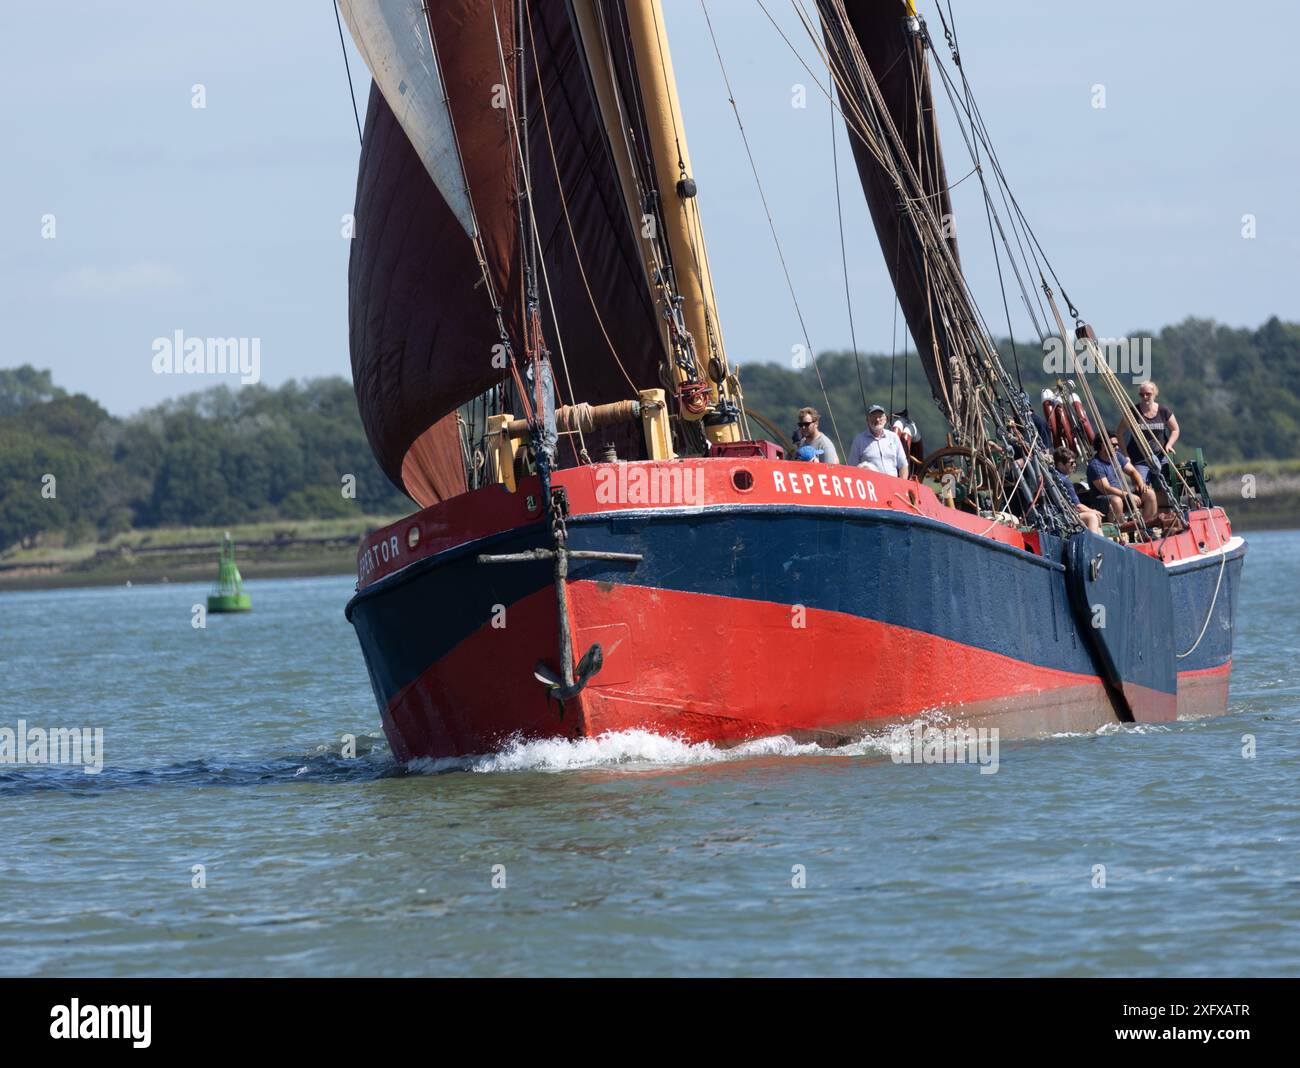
{"x":805,"y":424}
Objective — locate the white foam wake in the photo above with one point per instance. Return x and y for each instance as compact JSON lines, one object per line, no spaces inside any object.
{"x":1124,"y":728}
{"x":632,"y":750}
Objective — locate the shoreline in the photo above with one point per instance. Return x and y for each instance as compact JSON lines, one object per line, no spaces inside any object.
{"x":307,"y":549}
{"x":32,"y":579}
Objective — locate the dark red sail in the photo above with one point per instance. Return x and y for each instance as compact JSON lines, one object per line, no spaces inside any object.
{"x":422,"y":325}
{"x":420,"y":320}
{"x":898,"y":62}
{"x":602,"y":308}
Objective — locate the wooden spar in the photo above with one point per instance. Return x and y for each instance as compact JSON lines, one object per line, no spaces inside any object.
{"x":598,"y":63}
{"x":681,"y":217}
{"x":654,"y":422}
{"x":584,"y":417}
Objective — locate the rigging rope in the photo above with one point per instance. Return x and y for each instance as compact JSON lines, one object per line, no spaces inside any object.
{"x":978,"y":395}
{"x":338,"y":21}
{"x":1223,"y":564}
{"x":844,"y":263}
{"x":980,"y":130}
{"x":731,"y":97}
{"x":1019,"y":222}
{"x":533,"y":238}
{"x":970,"y":361}
{"x":564,"y":204}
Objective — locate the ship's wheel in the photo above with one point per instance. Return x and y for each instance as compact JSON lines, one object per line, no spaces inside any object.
{"x":961,"y":478}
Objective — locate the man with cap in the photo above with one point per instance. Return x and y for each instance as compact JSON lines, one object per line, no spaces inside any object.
{"x":878,"y":448}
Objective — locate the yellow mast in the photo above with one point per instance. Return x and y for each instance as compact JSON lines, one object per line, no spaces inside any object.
{"x":589,"y":29}
{"x":681,"y":213}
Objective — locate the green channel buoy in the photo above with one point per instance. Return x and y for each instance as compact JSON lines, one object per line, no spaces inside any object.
{"x":229,"y":596}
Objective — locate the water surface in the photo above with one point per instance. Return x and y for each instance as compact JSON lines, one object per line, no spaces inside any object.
{"x":625,"y":855}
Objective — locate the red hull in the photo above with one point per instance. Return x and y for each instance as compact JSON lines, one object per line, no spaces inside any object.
{"x":829,"y":684}
{"x":717,"y":635}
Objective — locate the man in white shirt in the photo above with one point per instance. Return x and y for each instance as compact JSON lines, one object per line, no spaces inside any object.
{"x":878,"y":448}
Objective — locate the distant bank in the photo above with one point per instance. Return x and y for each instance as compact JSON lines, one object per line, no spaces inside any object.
{"x":1258,"y":494}
{"x":281,"y":549}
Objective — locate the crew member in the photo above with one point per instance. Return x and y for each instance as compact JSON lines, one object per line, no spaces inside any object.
{"x":1157,"y":424}
{"x":1109,"y":486}
{"x":878,"y":448}
{"x":1063,"y":464}
{"x":809,"y":436}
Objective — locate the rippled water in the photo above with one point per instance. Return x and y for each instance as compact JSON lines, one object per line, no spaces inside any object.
{"x":631,"y":854}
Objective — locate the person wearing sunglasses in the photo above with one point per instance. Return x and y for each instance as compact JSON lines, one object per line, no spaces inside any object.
{"x":1109,"y":485}
{"x":808,"y":435}
{"x":1158,"y":425}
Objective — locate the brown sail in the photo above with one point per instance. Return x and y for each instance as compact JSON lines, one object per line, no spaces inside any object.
{"x":419,"y":316}
{"x":422,"y":321}
{"x":897,"y":61}
{"x":595,"y":288}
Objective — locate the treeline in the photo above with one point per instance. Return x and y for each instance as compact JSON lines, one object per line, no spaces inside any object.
{"x":1236,"y":392}
{"x":213,"y":458}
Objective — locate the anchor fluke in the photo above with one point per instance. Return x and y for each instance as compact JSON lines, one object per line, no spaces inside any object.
{"x":591,"y":663}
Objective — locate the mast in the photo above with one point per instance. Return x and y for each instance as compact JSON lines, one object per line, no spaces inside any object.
{"x":681,"y":219}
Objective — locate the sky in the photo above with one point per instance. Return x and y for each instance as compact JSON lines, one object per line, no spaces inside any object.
{"x":226,"y":220}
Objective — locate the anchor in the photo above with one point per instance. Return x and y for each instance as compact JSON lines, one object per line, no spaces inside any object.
{"x":562,"y":689}
{"x":567,"y":682}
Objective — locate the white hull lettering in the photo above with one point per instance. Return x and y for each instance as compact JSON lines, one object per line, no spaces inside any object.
{"x":805,"y":484}
{"x":374,"y":555}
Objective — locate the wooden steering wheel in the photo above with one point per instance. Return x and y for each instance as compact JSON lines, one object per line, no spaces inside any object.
{"x":958,"y":476}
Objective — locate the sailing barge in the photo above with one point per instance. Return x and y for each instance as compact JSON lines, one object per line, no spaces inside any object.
{"x":603,"y":542}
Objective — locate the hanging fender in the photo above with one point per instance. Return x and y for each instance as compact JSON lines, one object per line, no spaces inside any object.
{"x":904,"y":435}
{"x":1067,"y":431}
{"x":1085,"y":425}
{"x":1049,"y":413}
{"x":1052,"y":416}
